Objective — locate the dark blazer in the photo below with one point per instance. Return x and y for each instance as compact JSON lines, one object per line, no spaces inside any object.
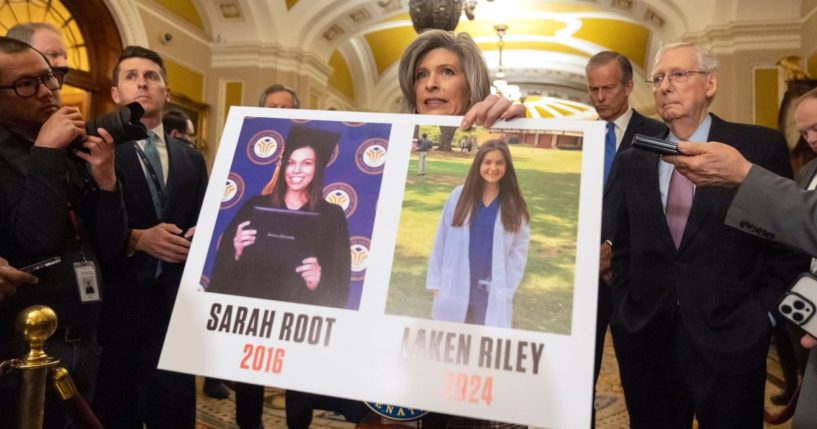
{"x":37,"y":185}
{"x":639,"y":124}
{"x":721,"y":282}
{"x":142,"y":301}
{"x":257,"y":275}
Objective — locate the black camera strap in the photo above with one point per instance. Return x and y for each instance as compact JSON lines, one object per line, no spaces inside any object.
{"x":157,"y":184}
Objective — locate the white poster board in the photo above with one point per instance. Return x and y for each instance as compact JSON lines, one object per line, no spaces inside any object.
{"x":382,"y":345}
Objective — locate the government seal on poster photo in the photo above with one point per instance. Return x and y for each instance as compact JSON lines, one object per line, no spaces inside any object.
{"x":396,"y":259}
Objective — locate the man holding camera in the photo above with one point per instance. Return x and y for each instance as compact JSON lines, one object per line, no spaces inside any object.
{"x":59,"y":196}
{"x":163,"y":181}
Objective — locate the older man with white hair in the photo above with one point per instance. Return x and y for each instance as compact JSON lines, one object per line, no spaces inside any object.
{"x":692,"y":297}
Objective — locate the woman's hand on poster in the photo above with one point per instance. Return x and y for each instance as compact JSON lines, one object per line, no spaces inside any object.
{"x":486,"y":112}
{"x":243,"y":238}
{"x":311,"y":272}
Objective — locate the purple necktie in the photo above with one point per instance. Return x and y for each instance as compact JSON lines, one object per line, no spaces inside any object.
{"x":679,"y":201}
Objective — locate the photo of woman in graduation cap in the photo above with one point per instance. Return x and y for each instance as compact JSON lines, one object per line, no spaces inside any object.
{"x":289,"y":244}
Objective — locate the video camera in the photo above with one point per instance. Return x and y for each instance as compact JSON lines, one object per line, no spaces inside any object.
{"x":123,"y":125}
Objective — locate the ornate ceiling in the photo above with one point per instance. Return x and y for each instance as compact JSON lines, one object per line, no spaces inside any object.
{"x":546,"y":45}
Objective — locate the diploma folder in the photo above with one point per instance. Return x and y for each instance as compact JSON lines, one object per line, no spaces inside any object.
{"x":284,"y":239}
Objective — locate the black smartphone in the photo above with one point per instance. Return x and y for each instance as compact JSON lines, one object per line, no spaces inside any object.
{"x":45,"y":263}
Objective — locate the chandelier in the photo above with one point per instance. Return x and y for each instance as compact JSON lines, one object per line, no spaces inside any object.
{"x":440,"y":14}
{"x":500,"y":85}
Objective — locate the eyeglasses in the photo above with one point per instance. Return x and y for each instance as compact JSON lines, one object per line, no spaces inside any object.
{"x":28,"y":86}
{"x":678,"y":76}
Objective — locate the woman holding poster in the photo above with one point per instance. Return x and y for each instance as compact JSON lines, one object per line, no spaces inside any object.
{"x":443,"y":73}
{"x":481,"y":246}
{"x":288,"y":243}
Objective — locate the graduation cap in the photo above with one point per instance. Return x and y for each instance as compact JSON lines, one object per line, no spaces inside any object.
{"x":322,"y":142}
{"x":300,"y":136}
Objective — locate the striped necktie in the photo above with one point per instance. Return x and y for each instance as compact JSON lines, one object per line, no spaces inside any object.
{"x":152,"y":157}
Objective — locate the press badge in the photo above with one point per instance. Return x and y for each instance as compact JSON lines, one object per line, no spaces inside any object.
{"x":86,"y":281}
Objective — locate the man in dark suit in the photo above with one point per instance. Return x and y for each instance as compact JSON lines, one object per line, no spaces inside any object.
{"x":609,"y":83}
{"x":692,"y":298}
{"x":770,"y":207}
{"x":163,"y":181}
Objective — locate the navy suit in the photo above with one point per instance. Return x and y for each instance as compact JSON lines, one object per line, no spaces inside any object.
{"x":135,"y":318}
{"x":691,"y":326}
{"x":638,"y":124}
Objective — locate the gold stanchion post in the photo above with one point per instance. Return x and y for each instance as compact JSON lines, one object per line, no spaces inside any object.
{"x":37,"y":324}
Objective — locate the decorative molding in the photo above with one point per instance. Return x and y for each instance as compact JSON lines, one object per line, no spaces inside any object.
{"x":749,"y":36}
{"x":129,"y":22}
{"x":389,"y":5}
{"x":271,"y":56}
{"x":358,"y":16}
{"x":177,"y":24}
{"x":333,"y":33}
{"x":653,"y":18}
{"x":229,"y":11}
{"x":336,"y":100}
{"x":622,"y":4}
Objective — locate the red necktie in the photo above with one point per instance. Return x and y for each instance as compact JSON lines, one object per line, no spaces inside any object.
{"x":679,"y":201}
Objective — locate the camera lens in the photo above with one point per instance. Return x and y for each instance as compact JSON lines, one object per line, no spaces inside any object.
{"x":798,"y":317}
{"x":785,"y":309}
{"x":799,"y":305}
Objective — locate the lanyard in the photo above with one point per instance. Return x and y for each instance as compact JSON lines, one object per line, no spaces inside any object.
{"x":153,"y":176}
{"x":72,"y":216}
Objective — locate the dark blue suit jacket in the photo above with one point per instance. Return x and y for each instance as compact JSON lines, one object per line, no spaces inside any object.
{"x":639,"y":124}
{"x":143,"y":303}
{"x":721,"y":282}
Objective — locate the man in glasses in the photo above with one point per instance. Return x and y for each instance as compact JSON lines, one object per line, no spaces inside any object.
{"x":53,"y":204}
{"x":770,"y":207}
{"x":45,"y":38}
{"x":693,"y":298}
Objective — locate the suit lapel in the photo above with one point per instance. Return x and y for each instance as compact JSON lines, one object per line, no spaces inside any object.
{"x":132,"y":167}
{"x":635,"y":123}
{"x":646,"y":181}
{"x":706,"y":198}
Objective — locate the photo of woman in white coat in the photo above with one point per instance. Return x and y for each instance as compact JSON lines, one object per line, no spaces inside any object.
{"x":481,"y":246}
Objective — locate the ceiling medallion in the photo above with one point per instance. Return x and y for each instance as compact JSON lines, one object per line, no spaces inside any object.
{"x":439,"y":14}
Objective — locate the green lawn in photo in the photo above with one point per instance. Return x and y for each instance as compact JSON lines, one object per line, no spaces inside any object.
{"x":549,"y":180}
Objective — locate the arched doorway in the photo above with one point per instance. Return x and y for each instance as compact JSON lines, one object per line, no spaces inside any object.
{"x":93,"y":41}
